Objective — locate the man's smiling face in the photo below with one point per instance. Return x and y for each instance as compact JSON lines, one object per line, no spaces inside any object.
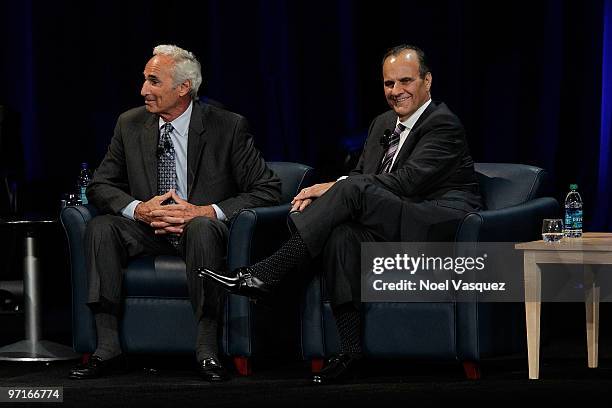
{"x":404,"y":89}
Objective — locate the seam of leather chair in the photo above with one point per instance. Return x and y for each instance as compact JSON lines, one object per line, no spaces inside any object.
{"x":252,"y":232}
{"x":304,"y":169}
{"x":455,"y":318}
{"x":224,"y":333}
{"x":323,"y":331}
{"x":250,"y":328}
{"x":477,"y":325}
{"x":82,"y":213}
{"x":232,"y":228}
{"x":459,"y":352}
{"x":249,"y":336}
{"x":321,"y":325}
{"x":301,"y":327}
{"x":481,"y":221}
{"x":477,"y":214}
{"x":304,"y":176}
{"x":301,"y":322}
{"x":536,"y":182}
{"x":156,"y":297}
{"x":72,"y":209}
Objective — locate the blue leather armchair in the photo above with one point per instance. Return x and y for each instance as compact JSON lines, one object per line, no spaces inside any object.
{"x":157,"y":314}
{"x":513,"y":212}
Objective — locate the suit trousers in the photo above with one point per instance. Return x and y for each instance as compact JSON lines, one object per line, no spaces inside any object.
{"x":112,"y":240}
{"x":356,"y":210}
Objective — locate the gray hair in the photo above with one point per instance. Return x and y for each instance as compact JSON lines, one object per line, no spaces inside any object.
{"x":186,"y":66}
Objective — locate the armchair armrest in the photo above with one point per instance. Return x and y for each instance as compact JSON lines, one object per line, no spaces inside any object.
{"x":255,"y":233}
{"x":74,"y":220}
{"x":518,"y":223}
{"x":76,"y":217}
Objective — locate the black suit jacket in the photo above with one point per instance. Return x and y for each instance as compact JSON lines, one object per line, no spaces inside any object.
{"x":434,"y":162}
{"x":223,"y":165}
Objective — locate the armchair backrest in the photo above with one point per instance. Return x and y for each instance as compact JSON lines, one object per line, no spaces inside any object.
{"x":504,"y":185}
{"x":293,"y":177}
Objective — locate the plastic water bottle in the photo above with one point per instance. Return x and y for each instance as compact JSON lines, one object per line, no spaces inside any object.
{"x":573,"y":213}
{"x":83,"y":182}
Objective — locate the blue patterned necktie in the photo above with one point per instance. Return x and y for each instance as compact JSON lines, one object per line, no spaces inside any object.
{"x":166,"y":169}
{"x":385,"y":166}
{"x":166,"y":166}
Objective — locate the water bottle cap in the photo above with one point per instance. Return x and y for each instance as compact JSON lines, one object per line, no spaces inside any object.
{"x":84,"y":165}
{"x":573,"y":187}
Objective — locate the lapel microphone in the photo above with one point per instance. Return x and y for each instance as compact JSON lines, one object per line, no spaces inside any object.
{"x":385,"y":139}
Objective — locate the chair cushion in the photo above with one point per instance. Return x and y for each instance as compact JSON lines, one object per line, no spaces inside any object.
{"x":160,"y":276}
{"x":505,"y":185}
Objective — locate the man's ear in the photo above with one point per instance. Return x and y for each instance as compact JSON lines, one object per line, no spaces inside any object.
{"x":184,"y":88}
{"x":428,"y":79}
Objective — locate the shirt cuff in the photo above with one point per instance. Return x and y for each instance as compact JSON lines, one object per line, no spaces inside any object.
{"x":342,"y":178}
{"x":128,"y":210}
{"x":220,"y":214}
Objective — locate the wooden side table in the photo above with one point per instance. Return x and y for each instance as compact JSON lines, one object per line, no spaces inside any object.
{"x":594,"y":248}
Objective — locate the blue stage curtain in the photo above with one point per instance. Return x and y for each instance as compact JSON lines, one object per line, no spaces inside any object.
{"x":530,"y":87}
{"x":603,"y":219}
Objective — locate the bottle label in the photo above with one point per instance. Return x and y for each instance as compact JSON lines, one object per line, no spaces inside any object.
{"x":82,"y":195}
{"x":573,"y":219}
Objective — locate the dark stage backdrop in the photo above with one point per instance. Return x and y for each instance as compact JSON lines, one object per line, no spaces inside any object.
{"x":525,"y":77}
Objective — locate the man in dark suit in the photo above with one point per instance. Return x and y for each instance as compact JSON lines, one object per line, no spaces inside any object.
{"x":411,"y":184}
{"x":175,"y":172}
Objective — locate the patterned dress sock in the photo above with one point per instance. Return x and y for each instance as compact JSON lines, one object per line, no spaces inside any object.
{"x":272,"y":269}
{"x":348,"y":321}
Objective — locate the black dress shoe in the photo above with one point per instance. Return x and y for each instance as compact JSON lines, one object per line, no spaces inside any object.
{"x":96,"y":367}
{"x":212,"y":371}
{"x":243,"y":283}
{"x":336,"y":369}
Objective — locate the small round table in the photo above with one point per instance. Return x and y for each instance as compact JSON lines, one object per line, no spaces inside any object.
{"x":33,"y":348}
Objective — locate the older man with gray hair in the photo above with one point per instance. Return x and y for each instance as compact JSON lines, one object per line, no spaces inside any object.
{"x":175,"y":173}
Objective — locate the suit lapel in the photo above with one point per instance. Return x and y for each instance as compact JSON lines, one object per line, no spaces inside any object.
{"x":195,"y":144}
{"x":149,"y":140}
{"x":378,"y":150}
{"x":413,"y":136}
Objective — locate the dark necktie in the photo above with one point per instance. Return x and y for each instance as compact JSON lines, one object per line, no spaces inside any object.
{"x":166,"y":169}
{"x":166,"y":166}
{"x":385,"y":165}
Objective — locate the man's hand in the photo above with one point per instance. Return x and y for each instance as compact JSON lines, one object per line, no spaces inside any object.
{"x":142,"y":212}
{"x":171,"y":218}
{"x":305,"y":197}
